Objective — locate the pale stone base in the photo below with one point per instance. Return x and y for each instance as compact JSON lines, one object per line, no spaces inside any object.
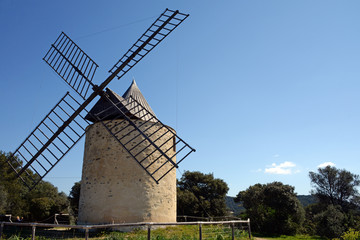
{"x":116,"y":189}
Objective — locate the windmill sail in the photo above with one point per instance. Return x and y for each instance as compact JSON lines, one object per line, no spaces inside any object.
{"x":72,"y":64}
{"x":160,"y":29}
{"x":48,"y":143}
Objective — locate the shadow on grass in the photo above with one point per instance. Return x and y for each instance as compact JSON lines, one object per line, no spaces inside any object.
{"x":286,"y":237}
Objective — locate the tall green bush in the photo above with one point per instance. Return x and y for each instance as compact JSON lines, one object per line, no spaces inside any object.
{"x":36,"y":205}
{"x":351,"y":234}
{"x":331,"y":222}
{"x":273,"y":208}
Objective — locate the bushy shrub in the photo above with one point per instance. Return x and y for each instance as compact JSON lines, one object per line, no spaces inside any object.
{"x":330,"y":223}
{"x":351,"y":234}
{"x":273,"y":208}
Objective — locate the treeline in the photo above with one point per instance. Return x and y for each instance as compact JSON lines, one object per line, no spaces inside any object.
{"x":37,"y":205}
{"x":273,"y":208}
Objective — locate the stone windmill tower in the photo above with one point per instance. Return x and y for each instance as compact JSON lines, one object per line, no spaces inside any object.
{"x":114,"y":188}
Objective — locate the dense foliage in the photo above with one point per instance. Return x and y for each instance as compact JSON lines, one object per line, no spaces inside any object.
{"x":351,"y":234}
{"x":201,"y":195}
{"x":273,"y":208}
{"x":36,"y":205}
{"x":336,"y":187}
{"x":337,"y":208}
{"x":74,"y":198}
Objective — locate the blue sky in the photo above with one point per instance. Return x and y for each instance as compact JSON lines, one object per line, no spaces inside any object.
{"x":264,"y":90}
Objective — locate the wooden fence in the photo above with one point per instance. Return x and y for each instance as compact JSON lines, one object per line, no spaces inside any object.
{"x":148,"y":225}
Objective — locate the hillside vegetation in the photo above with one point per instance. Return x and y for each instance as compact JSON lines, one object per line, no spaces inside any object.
{"x":236,"y":207}
{"x":332,"y":209}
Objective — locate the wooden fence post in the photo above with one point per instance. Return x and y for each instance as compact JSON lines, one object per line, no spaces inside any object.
{"x":33,"y":229}
{"x":249,"y":228}
{"x":86,"y":234}
{"x":1,"y":229}
{"x":55,"y":219}
{"x":200,"y":231}
{"x":232,"y":231}
{"x":149,"y":232}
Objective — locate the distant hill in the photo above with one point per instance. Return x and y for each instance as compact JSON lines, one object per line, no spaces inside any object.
{"x":237,"y":208}
{"x":306,"y":199}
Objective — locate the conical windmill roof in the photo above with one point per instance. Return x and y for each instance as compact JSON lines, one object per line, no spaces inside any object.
{"x":105,"y":110}
{"x":141,"y":112}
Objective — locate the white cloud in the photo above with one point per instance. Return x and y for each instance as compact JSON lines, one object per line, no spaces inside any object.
{"x":284,"y":168}
{"x":325,"y":164}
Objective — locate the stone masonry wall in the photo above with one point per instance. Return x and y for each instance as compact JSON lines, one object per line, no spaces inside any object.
{"x":115,"y":188}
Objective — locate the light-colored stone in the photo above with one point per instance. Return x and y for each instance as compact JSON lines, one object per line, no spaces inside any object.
{"x":115,"y":188}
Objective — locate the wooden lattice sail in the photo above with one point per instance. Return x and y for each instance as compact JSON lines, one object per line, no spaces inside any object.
{"x":65,"y":124}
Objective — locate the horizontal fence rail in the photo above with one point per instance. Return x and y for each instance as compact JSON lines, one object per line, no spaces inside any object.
{"x":148,"y":226}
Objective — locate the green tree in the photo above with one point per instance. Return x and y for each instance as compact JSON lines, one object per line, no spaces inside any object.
{"x":15,"y":191}
{"x":38,"y":204}
{"x":273,"y":208}
{"x":309,"y":226}
{"x":3,"y":200}
{"x":351,"y":234}
{"x":74,"y":198}
{"x":335,"y":186}
{"x":331,"y":222}
{"x":338,"y":202}
{"x":201,"y":195}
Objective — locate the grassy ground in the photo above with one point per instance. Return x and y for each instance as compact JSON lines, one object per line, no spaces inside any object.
{"x":283,"y":237}
{"x":168,"y":233}
{"x":215,"y":232}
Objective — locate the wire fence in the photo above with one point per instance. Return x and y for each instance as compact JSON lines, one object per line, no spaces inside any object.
{"x":58,"y":218}
{"x":234,"y":229}
{"x":187,"y":218}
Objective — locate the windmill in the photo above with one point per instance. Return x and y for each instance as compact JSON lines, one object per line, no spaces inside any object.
{"x":67,"y":121}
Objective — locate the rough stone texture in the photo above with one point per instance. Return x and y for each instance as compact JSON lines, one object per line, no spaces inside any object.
{"x":114,"y":187}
